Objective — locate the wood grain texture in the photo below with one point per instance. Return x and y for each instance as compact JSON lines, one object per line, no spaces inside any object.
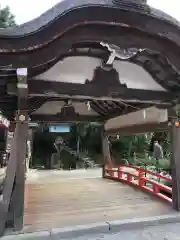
{"x":72,"y":201}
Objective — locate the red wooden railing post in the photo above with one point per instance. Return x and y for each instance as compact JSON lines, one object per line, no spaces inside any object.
{"x":103,"y":171}
{"x":120,"y":172}
{"x":155,"y":188}
{"x":140,"y":175}
{"x":129,"y":177}
{"x":112,"y":172}
{"x":109,"y":172}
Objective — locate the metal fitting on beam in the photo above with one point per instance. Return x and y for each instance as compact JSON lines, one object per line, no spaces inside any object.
{"x":22,"y":118}
{"x":22,"y":78}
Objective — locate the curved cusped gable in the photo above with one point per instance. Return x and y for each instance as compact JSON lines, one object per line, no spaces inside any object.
{"x":66,"y":16}
{"x":126,"y":24}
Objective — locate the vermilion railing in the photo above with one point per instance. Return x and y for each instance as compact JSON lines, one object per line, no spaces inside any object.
{"x":138,"y":177}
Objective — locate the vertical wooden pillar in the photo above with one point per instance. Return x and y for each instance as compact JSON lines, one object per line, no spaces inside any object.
{"x":12,"y":204}
{"x":16,"y":211}
{"x":22,"y":119}
{"x":8,"y":186}
{"x":106,"y":152}
{"x":175,"y":164}
{"x":103,"y":154}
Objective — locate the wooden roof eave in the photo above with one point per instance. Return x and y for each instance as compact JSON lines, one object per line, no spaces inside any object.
{"x":50,"y":17}
{"x":142,"y":121}
{"x":139,"y":129}
{"x":52,"y":27}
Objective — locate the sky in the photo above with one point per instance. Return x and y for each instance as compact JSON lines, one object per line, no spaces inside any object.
{"x":26,"y":10}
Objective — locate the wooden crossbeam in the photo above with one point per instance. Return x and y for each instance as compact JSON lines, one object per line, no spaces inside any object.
{"x":94,"y":91}
{"x":69,"y":118}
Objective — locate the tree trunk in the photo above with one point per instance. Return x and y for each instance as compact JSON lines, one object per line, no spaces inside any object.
{"x":130,"y":148}
{"x":78,"y":145}
{"x":47,"y":162}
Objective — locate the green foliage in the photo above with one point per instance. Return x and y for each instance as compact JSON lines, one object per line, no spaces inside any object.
{"x":164,"y":163}
{"x":67,"y":160}
{"x":89,"y":136}
{"x":43,"y":147}
{"x":129,"y":145}
{"x":44,"y":143}
{"x":6,"y":18}
{"x":86,"y":140}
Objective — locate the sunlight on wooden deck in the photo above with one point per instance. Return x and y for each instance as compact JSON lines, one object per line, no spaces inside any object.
{"x":75,"y":200}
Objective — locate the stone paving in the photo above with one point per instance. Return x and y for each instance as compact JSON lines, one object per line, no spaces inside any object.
{"x":161,"y":232}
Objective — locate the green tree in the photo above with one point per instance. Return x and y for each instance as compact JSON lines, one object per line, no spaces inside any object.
{"x":6,"y":18}
{"x":43,"y":148}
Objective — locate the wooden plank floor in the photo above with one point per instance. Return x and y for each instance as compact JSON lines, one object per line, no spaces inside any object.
{"x":54,"y":201}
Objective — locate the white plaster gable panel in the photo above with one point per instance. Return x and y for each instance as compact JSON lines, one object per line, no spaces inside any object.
{"x":78,"y":69}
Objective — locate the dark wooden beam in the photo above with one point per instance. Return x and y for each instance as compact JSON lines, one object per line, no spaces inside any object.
{"x":98,"y":107}
{"x":175,"y":163}
{"x":12,"y":206}
{"x":13,"y":191}
{"x":8,"y":185}
{"x":35,"y":103}
{"x":58,"y":119}
{"x":22,"y":119}
{"x":16,"y":211}
{"x":114,"y":105}
{"x":94,"y":91}
{"x":8,"y":103}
